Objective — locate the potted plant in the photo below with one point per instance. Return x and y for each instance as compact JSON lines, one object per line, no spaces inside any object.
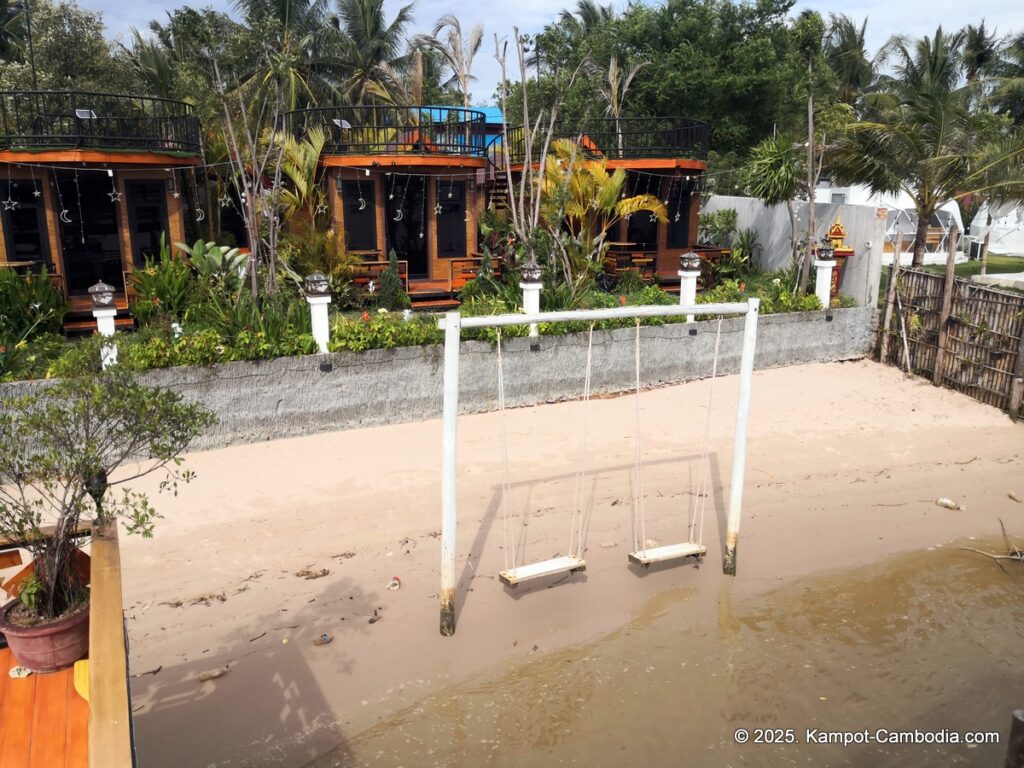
{"x":61,"y":449}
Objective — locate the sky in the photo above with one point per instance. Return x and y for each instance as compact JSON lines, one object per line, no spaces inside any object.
{"x":885,"y":18}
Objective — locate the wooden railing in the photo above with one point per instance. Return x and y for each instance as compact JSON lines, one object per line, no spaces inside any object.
{"x":110,"y":725}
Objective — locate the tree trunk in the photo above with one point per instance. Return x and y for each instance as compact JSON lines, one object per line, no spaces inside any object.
{"x":984,"y":246}
{"x":793,"y":237}
{"x":919,"y":239}
{"x":812,"y":245}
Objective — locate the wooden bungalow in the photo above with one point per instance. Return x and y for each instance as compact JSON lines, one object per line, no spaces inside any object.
{"x":89,"y":185}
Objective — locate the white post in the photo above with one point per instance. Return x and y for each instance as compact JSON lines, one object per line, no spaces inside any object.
{"x":531,"y":303}
{"x":318,"y":316}
{"x":689,"y":272}
{"x":449,"y":426}
{"x":823,"y":281}
{"x":105,"y":327}
{"x":739,"y":450}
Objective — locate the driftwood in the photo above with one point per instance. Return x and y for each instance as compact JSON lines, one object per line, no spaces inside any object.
{"x":1015,"y":553}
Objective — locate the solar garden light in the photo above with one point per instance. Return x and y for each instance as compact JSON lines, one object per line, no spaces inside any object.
{"x":318,"y":294}
{"x":531,"y":285}
{"x":823,"y":276}
{"x":689,"y":271}
{"x":104,"y":310}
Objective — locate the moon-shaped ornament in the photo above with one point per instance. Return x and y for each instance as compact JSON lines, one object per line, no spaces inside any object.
{"x":467,"y":216}
{"x":64,"y":216}
{"x":399,"y":216}
{"x":362,"y":204}
{"x":200,"y":214}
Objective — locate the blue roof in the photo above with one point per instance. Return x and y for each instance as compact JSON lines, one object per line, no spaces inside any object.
{"x":493,"y":114}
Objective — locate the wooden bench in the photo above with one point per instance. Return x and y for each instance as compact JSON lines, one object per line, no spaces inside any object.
{"x":643,"y":262}
{"x":462,"y":270}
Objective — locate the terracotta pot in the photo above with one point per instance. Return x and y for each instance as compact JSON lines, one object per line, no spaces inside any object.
{"x":48,"y":647}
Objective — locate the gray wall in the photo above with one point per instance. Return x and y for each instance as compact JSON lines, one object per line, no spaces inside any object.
{"x":865,"y":233}
{"x":302,"y":395}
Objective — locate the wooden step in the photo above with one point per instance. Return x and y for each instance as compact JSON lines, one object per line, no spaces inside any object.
{"x":435,"y":304}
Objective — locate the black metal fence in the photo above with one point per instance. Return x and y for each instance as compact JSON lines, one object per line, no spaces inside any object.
{"x":626,"y":138}
{"x":393,"y":130}
{"x":79,"y":120}
{"x":983,"y":335}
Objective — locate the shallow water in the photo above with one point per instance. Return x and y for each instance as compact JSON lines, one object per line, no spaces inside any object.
{"x":930,"y":641}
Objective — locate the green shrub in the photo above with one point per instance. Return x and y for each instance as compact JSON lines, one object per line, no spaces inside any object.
{"x":391,"y":295}
{"x":163,"y":287}
{"x":382,"y":330}
{"x":29,"y":306}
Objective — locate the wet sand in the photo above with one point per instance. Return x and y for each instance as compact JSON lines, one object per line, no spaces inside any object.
{"x":844,"y":465}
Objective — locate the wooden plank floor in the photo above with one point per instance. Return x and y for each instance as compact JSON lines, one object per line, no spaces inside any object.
{"x":44,"y":723}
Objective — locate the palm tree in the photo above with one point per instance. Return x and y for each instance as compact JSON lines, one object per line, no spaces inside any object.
{"x":458,"y":51}
{"x":588,"y":16}
{"x":12,"y":30}
{"x":926,"y":141}
{"x":154,"y":65}
{"x":1008,"y":83}
{"x":776,"y":175}
{"x":615,"y":88}
{"x":846,"y":53}
{"x":980,"y":52}
{"x":370,"y":57}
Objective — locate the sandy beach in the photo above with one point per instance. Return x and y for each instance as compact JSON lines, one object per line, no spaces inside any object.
{"x":276,"y":543}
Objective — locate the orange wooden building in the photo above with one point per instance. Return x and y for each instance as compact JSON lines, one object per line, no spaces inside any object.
{"x":88,"y":184}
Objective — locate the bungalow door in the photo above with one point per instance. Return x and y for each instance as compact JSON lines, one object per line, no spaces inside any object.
{"x":407,"y":219}
{"x":89,"y":230}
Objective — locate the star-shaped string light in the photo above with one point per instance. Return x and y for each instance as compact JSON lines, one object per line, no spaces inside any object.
{"x":176,"y":194}
{"x":677,"y":217}
{"x":225,"y":200}
{"x":115,"y":196}
{"x":437,"y":209}
{"x":9,"y":204}
{"x":37,"y":193}
{"x":321,"y":207}
{"x":654,"y":217}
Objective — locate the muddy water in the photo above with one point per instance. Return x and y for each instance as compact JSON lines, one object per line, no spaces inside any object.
{"x":932,"y":641}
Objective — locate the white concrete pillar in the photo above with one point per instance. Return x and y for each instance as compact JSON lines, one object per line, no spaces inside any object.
{"x":105,"y":327}
{"x":531,"y":302}
{"x":823,"y":281}
{"x":689,"y":273}
{"x":318,"y":294}
{"x":318,"y":317}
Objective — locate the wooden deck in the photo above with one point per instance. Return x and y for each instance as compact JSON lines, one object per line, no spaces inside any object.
{"x":44,"y":723}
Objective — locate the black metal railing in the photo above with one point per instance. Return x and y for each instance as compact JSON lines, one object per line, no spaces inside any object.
{"x":627,"y":138}
{"x":393,"y":130}
{"x":80,"y":120}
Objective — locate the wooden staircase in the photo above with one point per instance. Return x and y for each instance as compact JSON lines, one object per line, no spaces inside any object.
{"x":498,"y":197}
{"x":432,"y":295}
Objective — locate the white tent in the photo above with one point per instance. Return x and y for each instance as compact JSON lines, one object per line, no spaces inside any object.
{"x":1007,"y":234}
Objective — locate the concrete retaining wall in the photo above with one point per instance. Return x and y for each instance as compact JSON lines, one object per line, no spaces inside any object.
{"x":297,"y":396}
{"x":865,"y":233}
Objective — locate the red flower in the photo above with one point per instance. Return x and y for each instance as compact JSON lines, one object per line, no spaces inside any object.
{"x":365,"y":316}
{"x":622,"y":300}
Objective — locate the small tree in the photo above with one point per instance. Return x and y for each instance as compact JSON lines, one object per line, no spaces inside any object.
{"x":59,"y":452}
{"x":392,"y":294}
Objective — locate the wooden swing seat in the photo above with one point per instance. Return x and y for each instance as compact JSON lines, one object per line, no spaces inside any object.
{"x":566,"y":564}
{"x":646,"y":557}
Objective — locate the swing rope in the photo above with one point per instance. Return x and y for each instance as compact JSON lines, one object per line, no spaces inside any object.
{"x":506,"y":484}
{"x":639,"y":516}
{"x":576,"y":521}
{"x":702,"y":479}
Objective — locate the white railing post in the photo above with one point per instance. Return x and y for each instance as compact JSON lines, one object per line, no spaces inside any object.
{"x":823,"y":281}
{"x":689,"y":272}
{"x":104,"y":310}
{"x":318,"y":294}
{"x":739,"y":447}
{"x":449,"y":425}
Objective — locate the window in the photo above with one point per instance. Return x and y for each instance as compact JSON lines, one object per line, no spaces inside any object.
{"x":679,"y":215}
{"x":360,"y":205}
{"x":838,"y":198}
{"x":451,"y":221}
{"x":25,"y":224}
{"x":147,"y":217}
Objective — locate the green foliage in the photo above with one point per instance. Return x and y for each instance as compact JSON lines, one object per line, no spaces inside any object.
{"x":59,"y":448}
{"x":30,"y":307}
{"x":717,"y":228}
{"x":323,"y":252}
{"x":217,"y":266}
{"x":630,"y":280}
{"x":163,"y":287}
{"x":382,"y":330}
{"x":31,"y":592}
{"x":391,"y":294}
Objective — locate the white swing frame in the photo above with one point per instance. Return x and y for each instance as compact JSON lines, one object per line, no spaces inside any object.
{"x":453,"y":323}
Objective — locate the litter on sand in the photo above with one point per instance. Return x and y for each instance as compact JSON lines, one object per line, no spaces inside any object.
{"x":395,"y":583}
{"x":948,"y":504}
{"x":324,"y":639}
{"x":212,"y":674}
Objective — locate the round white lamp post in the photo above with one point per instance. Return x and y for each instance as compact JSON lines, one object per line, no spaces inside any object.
{"x":104,"y":310}
{"x":531,"y":285}
{"x":318,"y":294}
{"x":823,"y":275}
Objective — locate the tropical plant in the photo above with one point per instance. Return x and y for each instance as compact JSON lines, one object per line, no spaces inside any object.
{"x":926,"y":141}
{"x":392,"y":295}
{"x":163,"y":286}
{"x":614,"y":89}
{"x":370,"y":49}
{"x":846,"y":54}
{"x":581,"y":201}
{"x":216,"y":265}
{"x":303,"y":198}
{"x":717,"y":228}
{"x":63,"y":447}
{"x":456,"y":49}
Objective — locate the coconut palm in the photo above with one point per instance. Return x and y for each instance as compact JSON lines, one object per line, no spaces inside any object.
{"x":12,"y":30}
{"x":927,"y":142}
{"x":776,"y":175}
{"x":457,"y":50}
{"x":980,"y":51}
{"x":846,"y":53}
{"x":614,"y":89}
{"x":588,"y":16}
{"x":371,"y":55}
{"x":1008,"y":83}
